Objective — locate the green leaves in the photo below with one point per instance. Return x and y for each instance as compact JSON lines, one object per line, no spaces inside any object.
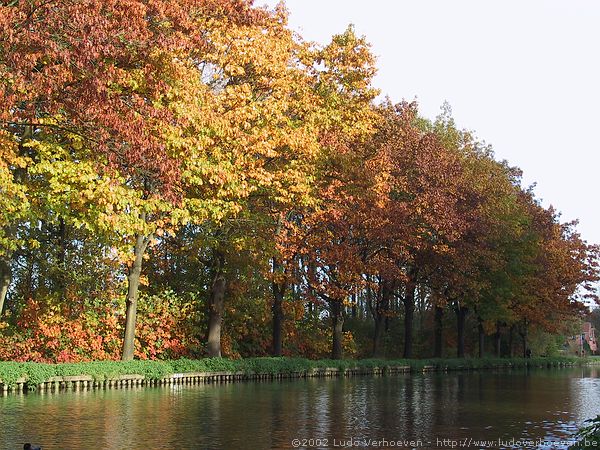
{"x":588,"y":435}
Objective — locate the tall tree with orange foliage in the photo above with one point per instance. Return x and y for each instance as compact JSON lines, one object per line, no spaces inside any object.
{"x":110,"y":72}
{"x":413,"y":214}
{"x":321,"y":233}
{"x":258,"y":157}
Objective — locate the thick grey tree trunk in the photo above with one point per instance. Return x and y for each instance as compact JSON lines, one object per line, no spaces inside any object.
{"x":278,"y":289}
{"x":133,"y":284}
{"x":5,"y":280}
{"x":409,"y":312}
{"x":378,"y":336}
{"x":216,"y":306}
{"x":337,"y":323}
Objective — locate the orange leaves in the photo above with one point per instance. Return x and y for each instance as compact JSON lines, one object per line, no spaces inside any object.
{"x":133,"y":118}
{"x":51,"y":333}
{"x":108,"y":67}
{"x":67,"y":333}
{"x":563,"y":268}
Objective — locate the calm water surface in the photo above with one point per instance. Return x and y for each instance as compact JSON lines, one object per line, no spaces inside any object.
{"x":540,"y":404}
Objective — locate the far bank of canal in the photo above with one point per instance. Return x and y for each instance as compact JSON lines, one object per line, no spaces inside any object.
{"x":27,"y":376}
{"x":527,"y":405}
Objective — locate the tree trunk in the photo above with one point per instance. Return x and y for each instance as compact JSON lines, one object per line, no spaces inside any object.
{"x":5,"y":280}
{"x":133,"y":284}
{"x":481,"y":333}
{"x":524,"y":336}
{"x":337,"y":322}
{"x":277,"y":310}
{"x":409,"y":311}
{"x":511,"y":334}
{"x":438,"y":332}
{"x":461,"y":315}
{"x":378,"y":335}
{"x":380,"y":314}
{"x":216,"y":306}
{"x":421,"y":308}
{"x":61,"y":281}
{"x":497,"y":340}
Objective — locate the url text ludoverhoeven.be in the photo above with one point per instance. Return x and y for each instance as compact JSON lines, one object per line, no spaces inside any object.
{"x":431,"y":443}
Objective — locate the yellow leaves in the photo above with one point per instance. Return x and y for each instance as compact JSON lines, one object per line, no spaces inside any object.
{"x":243,"y":118}
{"x":234,"y":70}
{"x":123,"y":255}
{"x":32,"y":243}
{"x":144,"y":280}
{"x":14,"y":203}
{"x":348,"y":303}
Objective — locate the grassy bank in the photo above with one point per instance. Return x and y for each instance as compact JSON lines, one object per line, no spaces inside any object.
{"x":36,"y":373}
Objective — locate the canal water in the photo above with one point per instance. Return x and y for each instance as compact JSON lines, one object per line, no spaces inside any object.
{"x":505,"y":409}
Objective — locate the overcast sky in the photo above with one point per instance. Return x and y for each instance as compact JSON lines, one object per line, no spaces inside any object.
{"x":524,"y":75}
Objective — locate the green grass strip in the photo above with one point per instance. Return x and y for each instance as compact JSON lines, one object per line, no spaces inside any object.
{"x":36,"y":373}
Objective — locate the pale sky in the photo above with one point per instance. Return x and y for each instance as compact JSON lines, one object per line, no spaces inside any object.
{"x":524,"y":75}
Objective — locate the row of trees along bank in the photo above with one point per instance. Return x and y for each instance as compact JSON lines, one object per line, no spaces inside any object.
{"x":189,"y":177}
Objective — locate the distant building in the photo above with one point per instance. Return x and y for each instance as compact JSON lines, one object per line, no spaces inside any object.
{"x":589,"y":334}
{"x":585,"y":341}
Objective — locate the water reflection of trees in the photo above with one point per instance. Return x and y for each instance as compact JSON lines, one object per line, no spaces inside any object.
{"x":271,"y":414}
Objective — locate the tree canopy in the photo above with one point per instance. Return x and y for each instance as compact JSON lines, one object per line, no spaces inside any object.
{"x":190,"y":177}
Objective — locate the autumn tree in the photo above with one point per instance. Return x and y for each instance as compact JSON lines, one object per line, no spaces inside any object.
{"x":563,"y":271}
{"x":109,"y":72}
{"x":203,"y":150}
{"x":341,"y":77}
{"x":414,"y":213}
{"x":253,"y":165}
